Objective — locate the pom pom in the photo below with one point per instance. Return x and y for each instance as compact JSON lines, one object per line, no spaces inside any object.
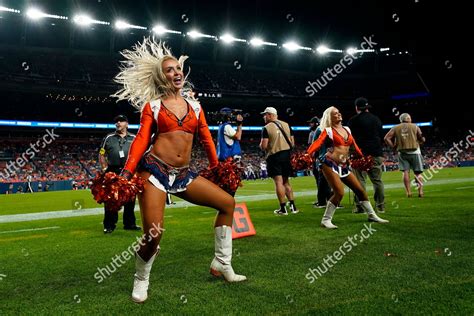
{"x":115,"y":190}
{"x":363,"y":164}
{"x":227,"y":175}
{"x":301,"y":161}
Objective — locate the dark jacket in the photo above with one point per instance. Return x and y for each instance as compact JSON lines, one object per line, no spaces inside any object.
{"x":368,"y":132}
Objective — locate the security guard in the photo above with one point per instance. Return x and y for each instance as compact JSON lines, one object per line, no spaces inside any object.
{"x":112,"y":157}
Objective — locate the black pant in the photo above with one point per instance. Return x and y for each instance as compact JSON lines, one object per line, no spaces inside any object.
{"x":324,"y":191}
{"x":111,"y":217}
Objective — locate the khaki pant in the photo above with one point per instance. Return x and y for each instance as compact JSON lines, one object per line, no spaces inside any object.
{"x":375,"y":175}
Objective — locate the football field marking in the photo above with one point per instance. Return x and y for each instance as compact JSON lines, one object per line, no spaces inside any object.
{"x":183,"y":204}
{"x":463,"y":188}
{"x":27,"y":237}
{"x":29,"y":230}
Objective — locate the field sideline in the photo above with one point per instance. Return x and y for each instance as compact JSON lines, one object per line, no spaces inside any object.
{"x":420,"y":263}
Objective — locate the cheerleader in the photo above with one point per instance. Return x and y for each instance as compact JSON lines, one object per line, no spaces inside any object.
{"x":153,"y":82}
{"x":333,"y":142}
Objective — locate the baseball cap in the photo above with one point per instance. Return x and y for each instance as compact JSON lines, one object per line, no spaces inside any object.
{"x":362,"y":103}
{"x":270,"y":110}
{"x":227,"y":111}
{"x":315,"y":119}
{"x":120,"y":118}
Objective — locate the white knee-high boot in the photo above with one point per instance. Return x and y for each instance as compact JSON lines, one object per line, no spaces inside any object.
{"x":142,"y":277}
{"x":220,"y":265}
{"x":371,"y":213}
{"x":327,"y":217}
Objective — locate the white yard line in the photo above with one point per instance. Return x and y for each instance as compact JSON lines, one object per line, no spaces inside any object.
{"x":28,"y":230}
{"x":463,"y":188}
{"x":180,"y":204}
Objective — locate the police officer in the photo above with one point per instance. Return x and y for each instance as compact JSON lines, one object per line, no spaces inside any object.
{"x":112,"y":157}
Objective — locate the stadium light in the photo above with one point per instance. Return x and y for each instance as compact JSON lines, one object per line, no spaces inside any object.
{"x":122,"y":25}
{"x":160,"y":30}
{"x":293,"y":46}
{"x":385,"y":49}
{"x":196,"y":34}
{"x":5,"y":9}
{"x":256,"y":42}
{"x":36,"y":14}
{"x":351,"y":50}
{"x":82,"y":20}
{"x":323,"y":49}
{"x":228,"y":38}
{"x":85,"y":20}
{"x":365,"y":50}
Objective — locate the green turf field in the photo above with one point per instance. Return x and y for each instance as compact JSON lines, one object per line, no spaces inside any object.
{"x":420,"y":263}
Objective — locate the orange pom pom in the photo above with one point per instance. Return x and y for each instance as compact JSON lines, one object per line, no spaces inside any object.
{"x":115,"y":190}
{"x":301,"y":161}
{"x":227,"y":175}
{"x":364,"y":163}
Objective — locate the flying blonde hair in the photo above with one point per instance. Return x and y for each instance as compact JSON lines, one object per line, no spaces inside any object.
{"x":326,"y":119}
{"x":141,"y":74}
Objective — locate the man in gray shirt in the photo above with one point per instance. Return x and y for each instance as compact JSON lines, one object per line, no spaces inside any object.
{"x":112,"y":157}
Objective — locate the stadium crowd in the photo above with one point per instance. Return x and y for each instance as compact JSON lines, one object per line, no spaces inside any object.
{"x":75,"y":160}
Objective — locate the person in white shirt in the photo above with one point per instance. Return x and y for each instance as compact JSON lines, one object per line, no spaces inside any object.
{"x":29,"y":178}
{"x":263,"y":170}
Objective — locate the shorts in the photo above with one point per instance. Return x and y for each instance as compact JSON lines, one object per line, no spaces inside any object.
{"x":343,"y":170}
{"x":279,"y":164}
{"x":410,"y":161}
{"x":165,"y":177}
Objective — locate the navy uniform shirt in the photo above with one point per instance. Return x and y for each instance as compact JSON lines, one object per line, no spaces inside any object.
{"x":115,"y":148}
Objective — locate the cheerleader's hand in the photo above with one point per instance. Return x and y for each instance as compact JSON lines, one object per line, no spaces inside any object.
{"x":126,"y":174}
{"x":115,"y":190}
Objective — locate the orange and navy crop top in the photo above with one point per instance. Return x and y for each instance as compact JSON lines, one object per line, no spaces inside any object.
{"x":156,"y":118}
{"x":169,"y":122}
{"x":329,"y":137}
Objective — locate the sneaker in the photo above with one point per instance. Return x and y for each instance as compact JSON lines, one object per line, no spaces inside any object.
{"x":280,"y":212}
{"x":317,"y":205}
{"x":294,"y":210}
{"x":108,"y":230}
{"x":380,"y":209}
{"x":340,"y":206}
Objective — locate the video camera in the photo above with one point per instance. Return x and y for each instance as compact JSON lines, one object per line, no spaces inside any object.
{"x":226,"y":115}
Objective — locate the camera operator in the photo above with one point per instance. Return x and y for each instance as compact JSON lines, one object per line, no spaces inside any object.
{"x":228,"y":138}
